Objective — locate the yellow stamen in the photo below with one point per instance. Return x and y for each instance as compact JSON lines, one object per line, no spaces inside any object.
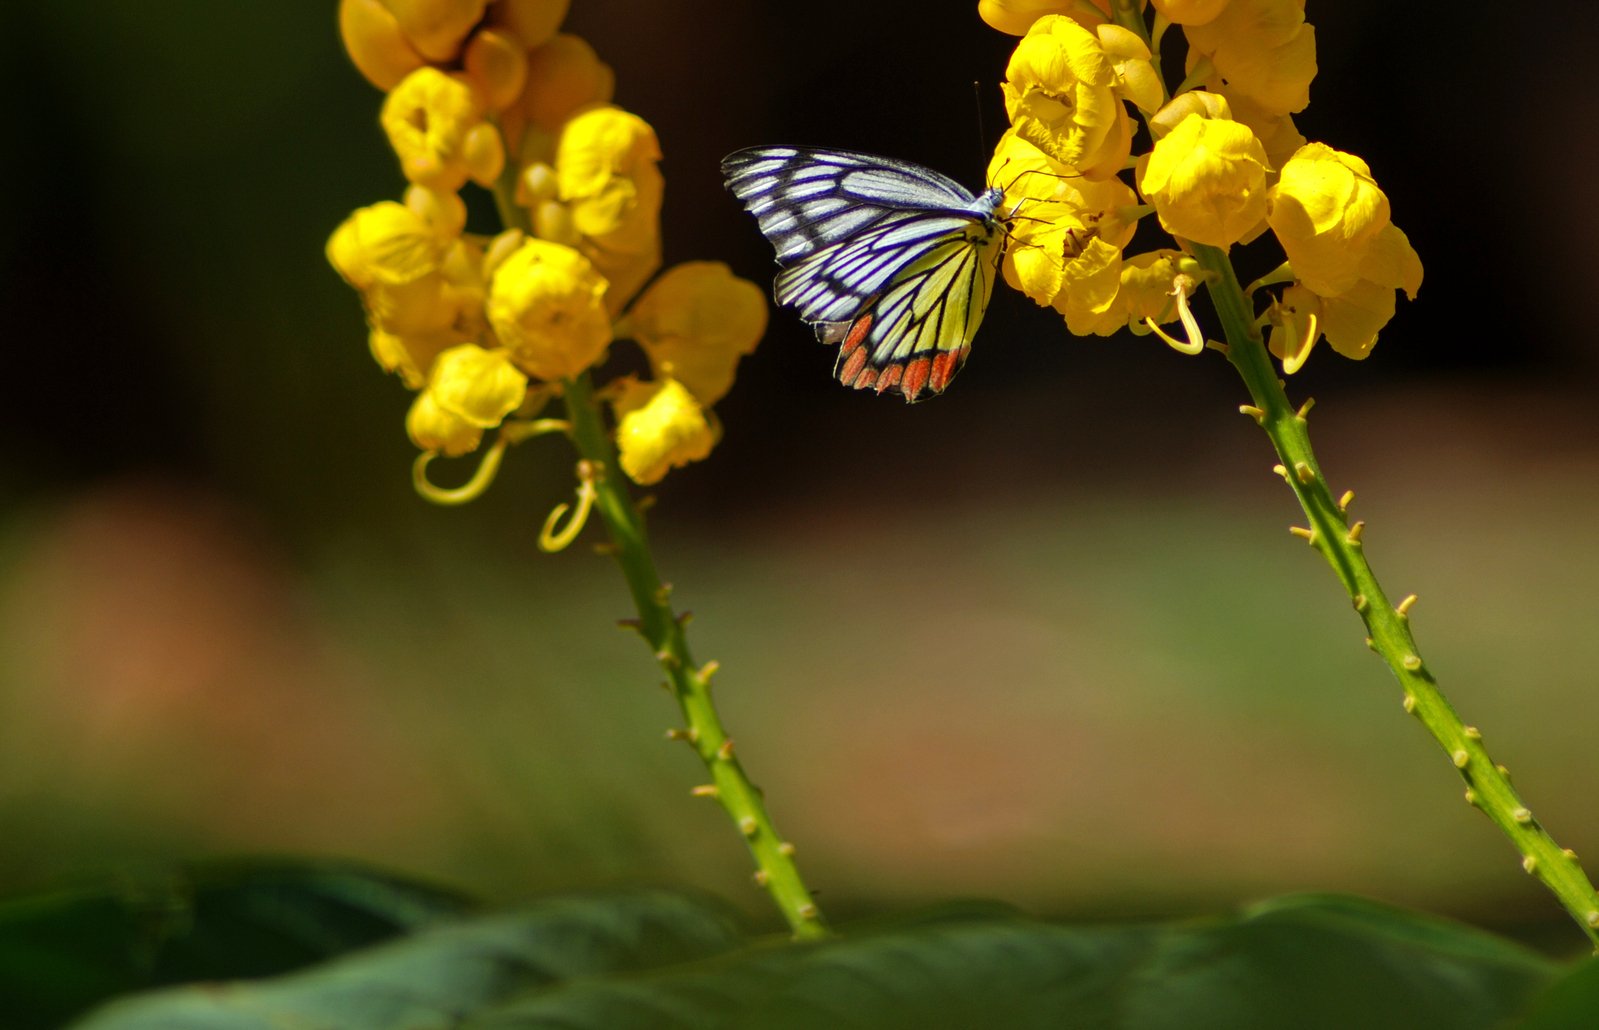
{"x":471,"y":490}
{"x":551,"y":540}
{"x":1295,"y":361}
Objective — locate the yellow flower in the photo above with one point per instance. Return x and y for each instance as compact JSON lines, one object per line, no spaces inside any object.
{"x":1136,"y":77}
{"x":1325,"y":209}
{"x":469,"y":390}
{"x":1015,"y":17}
{"x":1207,"y":180}
{"x":1060,"y":212}
{"x":435,"y":124}
{"x":1092,"y":281}
{"x":1276,"y":132}
{"x":496,"y":62}
{"x":1350,"y":319}
{"x":694,"y":323}
{"x":375,"y":43}
{"x":386,"y":243}
{"x":1060,"y":94}
{"x":660,"y":426}
{"x":547,"y":306}
{"x":1145,"y":291}
{"x":565,"y":75}
{"x":1262,"y":49}
{"x":606,"y":176}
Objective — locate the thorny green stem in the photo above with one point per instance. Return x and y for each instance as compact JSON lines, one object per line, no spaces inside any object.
{"x":662,"y":630}
{"x":690,"y":684}
{"x":1487,"y":784}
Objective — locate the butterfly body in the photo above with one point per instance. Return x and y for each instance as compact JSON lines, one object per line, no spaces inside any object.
{"x":891,"y":261}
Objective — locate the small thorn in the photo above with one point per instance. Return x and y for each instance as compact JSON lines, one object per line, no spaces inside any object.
{"x":1304,"y":473}
{"x":1355,"y":532}
{"x":1572,"y":855}
{"x":1409,"y":704}
{"x":1403,"y":607}
{"x":1371,"y":645}
{"x":1460,"y":758}
{"x":1522,"y":815}
{"x":1502,"y":771}
{"x":1471,"y":733}
{"x":786,"y":849}
{"x":807,"y":911}
{"x":605,"y":549}
{"x":761,"y":878}
{"x":748,"y":826}
{"x":1281,"y":470}
{"x":663,"y":594}
{"x":1529,"y":863}
{"x":709,"y":669}
{"x":677,"y":734}
{"x":667,"y":658}
{"x":645,"y":503}
{"x":1253,"y":412}
{"x":1361,"y":604}
{"x":1308,"y":535}
{"x":632,"y":624}
{"x":1304,"y":409}
{"x":726,"y":750}
{"x":705,"y":790}
{"x":1346,"y":500}
{"x":1411,"y":662}
{"x":1471,"y":797}
{"x":685,"y":618}
{"x":1592,"y":918}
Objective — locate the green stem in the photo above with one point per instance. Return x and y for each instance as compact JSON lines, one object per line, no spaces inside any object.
{"x":662,"y":629}
{"x":690,"y":684}
{"x":1487,"y":784}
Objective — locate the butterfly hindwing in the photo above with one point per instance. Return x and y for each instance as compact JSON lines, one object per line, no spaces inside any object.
{"x":891,"y":261}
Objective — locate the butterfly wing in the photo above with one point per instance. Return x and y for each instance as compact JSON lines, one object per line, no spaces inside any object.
{"x":892,"y":261}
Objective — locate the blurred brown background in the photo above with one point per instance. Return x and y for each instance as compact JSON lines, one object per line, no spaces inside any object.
{"x":1043,"y":639}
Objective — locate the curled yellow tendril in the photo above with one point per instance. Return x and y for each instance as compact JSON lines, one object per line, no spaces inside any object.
{"x":551,"y":539}
{"x":1181,"y":286}
{"x":510,"y":433}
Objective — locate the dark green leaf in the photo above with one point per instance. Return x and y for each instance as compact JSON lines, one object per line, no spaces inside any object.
{"x":64,"y":951}
{"x":1572,"y":1003}
{"x":438,"y":976}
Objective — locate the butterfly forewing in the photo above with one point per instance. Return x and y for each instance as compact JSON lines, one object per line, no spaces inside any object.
{"x":893,"y":261}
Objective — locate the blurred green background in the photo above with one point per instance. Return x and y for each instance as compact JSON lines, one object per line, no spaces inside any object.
{"x":1043,"y":639}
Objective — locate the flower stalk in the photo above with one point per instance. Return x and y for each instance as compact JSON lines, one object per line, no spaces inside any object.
{"x":1487,"y":783}
{"x":662,"y":630}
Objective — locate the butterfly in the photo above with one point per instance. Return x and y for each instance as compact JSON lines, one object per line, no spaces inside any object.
{"x":891,"y":261}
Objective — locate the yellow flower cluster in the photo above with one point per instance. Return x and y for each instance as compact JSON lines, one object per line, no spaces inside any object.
{"x":1226,"y":166}
{"x":486,"y":329}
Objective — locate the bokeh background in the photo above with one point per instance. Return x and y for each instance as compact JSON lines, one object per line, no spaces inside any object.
{"x":1044,"y":639}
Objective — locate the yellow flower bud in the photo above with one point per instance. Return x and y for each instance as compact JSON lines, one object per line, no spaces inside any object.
{"x":564,"y":76}
{"x":1060,"y":95}
{"x":1325,"y":210}
{"x":476,"y":385}
{"x":659,"y":427}
{"x":547,"y":306}
{"x":1207,"y":180}
{"x":1136,"y":77}
{"x":1015,"y":17}
{"x":531,"y":21}
{"x":436,"y":27}
{"x":695,"y":322}
{"x":432,"y":428}
{"x":386,"y":243}
{"x":1188,"y":12}
{"x":496,"y":62}
{"x":375,"y":43}
{"x":444,"y":213}
{"x":1261,"y":49}
{"x":606,"y":174}
{"x":428,"y":117}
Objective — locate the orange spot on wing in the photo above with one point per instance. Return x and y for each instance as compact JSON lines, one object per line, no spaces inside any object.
{"x":857,"y":332}
{"x":916,"y":374}
{"x":853,"y":364}
{"x":945,"y":365}
{"x":890,"y":377}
